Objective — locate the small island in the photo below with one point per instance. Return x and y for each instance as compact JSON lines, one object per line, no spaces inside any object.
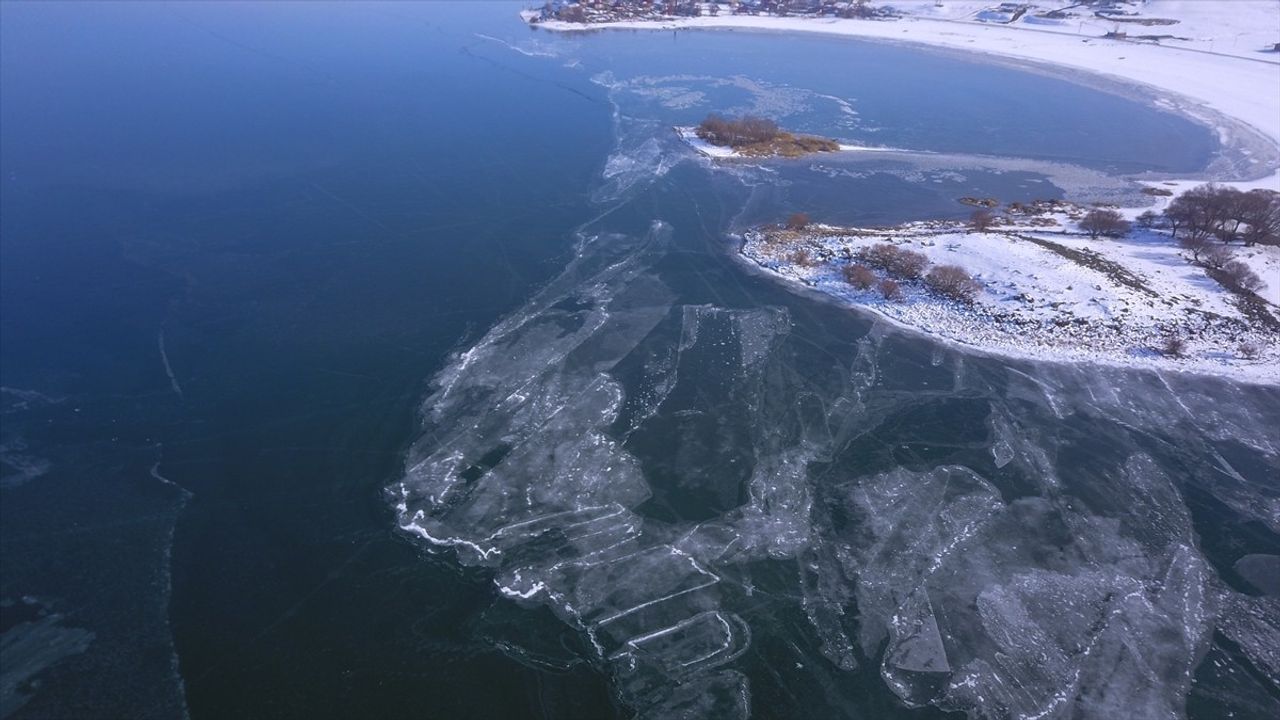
{"x":751,"y":136}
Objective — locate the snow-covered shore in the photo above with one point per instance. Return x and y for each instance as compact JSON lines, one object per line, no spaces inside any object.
{"x":1217,"y":73}
{"x":1047,"y":293}
{"x":1050,"y":293}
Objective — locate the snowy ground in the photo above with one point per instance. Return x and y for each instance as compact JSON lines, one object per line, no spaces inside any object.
{"x":1067,"y":297}
{"x":713,"y":151}
{"x":1265,"y":261}
{"x":1228,"y":28}
{"x":1220,"y":73}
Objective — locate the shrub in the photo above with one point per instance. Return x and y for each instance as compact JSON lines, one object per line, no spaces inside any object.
{"x":890,"y":289}
{"x":952,"y":281}
{"x":904,"y":264}
{"x":908,"y":264}
{"x":1215,"y":256}
{"x":1239,"y":276}
{"x":1101,"y":221}
{"x":878,"y":255}
{"x":1174,"y":346}
{"x":801,"y":257}
{"x":982,"y":220}
{"x":1148,"y":218}
{"x":798,"y":221}
{"x":859,"y":276}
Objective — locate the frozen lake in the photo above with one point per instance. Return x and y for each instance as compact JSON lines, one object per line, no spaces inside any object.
{"x":389,"y":360}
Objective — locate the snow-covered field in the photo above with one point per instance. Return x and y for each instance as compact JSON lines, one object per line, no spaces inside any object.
{"x":1067,"y":297}
{"x":1229,"y":27}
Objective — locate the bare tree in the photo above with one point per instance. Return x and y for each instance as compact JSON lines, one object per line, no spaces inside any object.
{"x":1102,"y":221}
{"x":1186,"y":212}
{"x":859,"y":276}
{"x":1177,"y":215}
{"x":982,"y":220}
{"x":1258,"y":213}
{"x":1196,"y":244}
{"x":798,"y":221}
{"x":890,"y":289}
{"x":1220,"y":209}
{"x":1205,"y":211}
{"x":953,"y":282}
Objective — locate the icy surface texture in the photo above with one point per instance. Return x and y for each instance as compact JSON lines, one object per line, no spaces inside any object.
{"x":740,"y":514}
{"x":518,"y":471}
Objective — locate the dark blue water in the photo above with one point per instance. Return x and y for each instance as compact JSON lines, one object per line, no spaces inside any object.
{"x":894,"y":96}
{"x":239,"y":240}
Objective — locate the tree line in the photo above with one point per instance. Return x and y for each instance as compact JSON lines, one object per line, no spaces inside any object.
{"x":1207,"y":218}
{"x":1204,"y":221}
{"x":1210,"y":212}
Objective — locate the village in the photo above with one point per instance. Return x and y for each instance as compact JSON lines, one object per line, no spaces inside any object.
{"x":607,"y":11}
{"x":1125,"y":19}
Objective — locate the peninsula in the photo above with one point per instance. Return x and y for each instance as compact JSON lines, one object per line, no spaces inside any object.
{"x":1060,"y":281}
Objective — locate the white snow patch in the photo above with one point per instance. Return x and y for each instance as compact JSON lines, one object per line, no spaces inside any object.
{"x":1036,"y":302}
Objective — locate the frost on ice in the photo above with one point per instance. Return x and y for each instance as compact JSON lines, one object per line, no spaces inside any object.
{"x":731,"y":505}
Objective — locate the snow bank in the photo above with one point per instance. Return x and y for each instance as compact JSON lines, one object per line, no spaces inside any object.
{"x":690,"y":136}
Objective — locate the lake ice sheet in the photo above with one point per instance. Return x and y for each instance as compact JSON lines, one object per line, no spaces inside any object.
{"x":748,"y":503}
{"x":649,"y":470}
